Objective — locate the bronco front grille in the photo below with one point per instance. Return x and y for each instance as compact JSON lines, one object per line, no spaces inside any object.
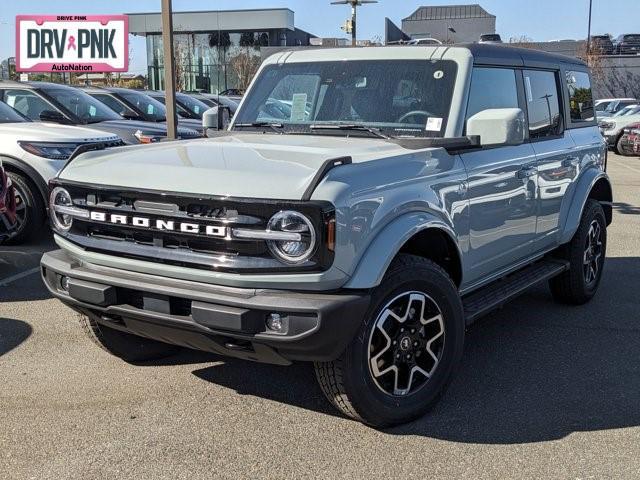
{"x":205,"y":244}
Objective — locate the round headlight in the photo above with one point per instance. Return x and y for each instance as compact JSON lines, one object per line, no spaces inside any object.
{"x":60,"y":198}
{"x":292,"y":251}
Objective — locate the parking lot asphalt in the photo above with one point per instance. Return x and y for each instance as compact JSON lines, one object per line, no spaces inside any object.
{"x":544,"y":391}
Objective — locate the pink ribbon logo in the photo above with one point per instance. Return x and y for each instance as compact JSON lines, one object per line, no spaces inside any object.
{"x":72,"y":43}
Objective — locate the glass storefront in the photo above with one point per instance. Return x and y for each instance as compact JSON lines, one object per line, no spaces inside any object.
{"x":209,"y":62}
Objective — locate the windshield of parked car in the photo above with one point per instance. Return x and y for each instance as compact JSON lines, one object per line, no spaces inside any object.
{"x":397,"y":97}
{"x":150,"y":108}
{"x":82,"y":105}
{"x":9,"y":115}
{"x":194,"y":106}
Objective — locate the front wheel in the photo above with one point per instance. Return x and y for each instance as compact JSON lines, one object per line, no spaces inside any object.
{"x":406,"y":349}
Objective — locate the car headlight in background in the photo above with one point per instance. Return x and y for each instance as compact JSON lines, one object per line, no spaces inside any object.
{"x":62,"y":209}
{"x":148,"y":137}
{"x":607,"y":125}
{"x":50,"y":150}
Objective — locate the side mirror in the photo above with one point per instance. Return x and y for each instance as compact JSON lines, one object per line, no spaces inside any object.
{"x":52,"y":116}
{"x":216,"y":118}
{"x":498,"y":126}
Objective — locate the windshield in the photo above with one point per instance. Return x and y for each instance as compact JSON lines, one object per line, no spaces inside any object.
{"x":150,"y":108}
{"x":83,"y":106}
{"x":192,"y":105}
{"x":398,"y":97}
{"x":9,"y":115}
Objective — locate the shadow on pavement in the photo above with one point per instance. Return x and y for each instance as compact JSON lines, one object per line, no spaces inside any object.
{"x":626,"y":208}
{"x":12,"y":334}
{"x":534,"y":371}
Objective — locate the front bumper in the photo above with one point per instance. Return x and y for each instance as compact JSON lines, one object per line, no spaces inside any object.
{"x":224,"y":320}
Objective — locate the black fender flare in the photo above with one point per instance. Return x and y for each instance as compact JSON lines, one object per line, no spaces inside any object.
{"x":22,"y":167}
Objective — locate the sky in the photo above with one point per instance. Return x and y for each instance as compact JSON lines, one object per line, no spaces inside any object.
{"x":539,"y":20}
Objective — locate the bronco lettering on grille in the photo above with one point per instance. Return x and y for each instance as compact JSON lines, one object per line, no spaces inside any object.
{"x":159,"y":224}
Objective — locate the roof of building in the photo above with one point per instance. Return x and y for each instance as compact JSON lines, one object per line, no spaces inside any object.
{"x":447,"y":12}
{"x":212,"y":20}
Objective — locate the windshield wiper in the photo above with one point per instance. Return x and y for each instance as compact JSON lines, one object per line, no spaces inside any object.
{"x":273,"y":125}
{"x":350,"y":126}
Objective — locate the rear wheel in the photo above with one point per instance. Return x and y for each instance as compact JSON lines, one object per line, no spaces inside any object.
{"x":406,"y":351}
{"x":586,"y":255}
{"x":30,"y":209}
{"x":128,"y":347}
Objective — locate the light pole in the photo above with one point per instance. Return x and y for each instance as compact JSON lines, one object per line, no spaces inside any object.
{"x":354,"y":6}
{"x":589,"y":29}
{"x":169,"y":70}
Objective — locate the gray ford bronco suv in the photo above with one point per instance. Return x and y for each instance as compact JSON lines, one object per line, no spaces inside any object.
{"x":363,"y":207}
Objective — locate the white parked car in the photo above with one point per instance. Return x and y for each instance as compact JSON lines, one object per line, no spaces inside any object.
{"x":612,"y":128}
{"x":33,"y":153}
{"x":607,"y":107}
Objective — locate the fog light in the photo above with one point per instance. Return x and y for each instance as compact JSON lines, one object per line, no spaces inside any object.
{"x":275,"y":323}
{"x":64,"y":283}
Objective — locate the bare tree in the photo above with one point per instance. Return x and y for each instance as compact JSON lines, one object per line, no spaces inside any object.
{"x":244,"y":66}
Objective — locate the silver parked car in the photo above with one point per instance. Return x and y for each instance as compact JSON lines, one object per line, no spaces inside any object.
{"x":364,"y":207}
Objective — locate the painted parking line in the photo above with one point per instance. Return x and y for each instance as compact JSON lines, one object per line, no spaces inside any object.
{"x":6,"y":281}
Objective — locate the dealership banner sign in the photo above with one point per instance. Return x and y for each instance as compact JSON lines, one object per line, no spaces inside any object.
{"x":72,"y":43}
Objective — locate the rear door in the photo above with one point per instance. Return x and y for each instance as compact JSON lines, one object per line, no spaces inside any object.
{"x":501,"y":183}
{"x":556,"y":155}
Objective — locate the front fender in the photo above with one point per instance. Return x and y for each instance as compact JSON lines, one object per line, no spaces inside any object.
{"x":584,"y":186}
{"x":386,"y":245}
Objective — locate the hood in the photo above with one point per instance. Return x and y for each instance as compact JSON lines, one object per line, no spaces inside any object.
{"x":239,"y":165}
{"x":51,"y":132}
{"x":147,"y":127}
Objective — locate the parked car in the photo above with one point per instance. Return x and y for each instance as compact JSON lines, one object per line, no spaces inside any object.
{"x":213,"y":100}
{"x":190,"y":107}
{"x":490,"y":38}
{"x":7,"y":205}
{"x":137,"y":105}
{"x":602,"y":45}
{"x":630,"y":135}
{"x":606,"y":107}
{"x":363,"y":232}
{"x":612,"y":129}
{"x":32,"y":154}
{"x":628,"y":44}
{"x":232,"y":92}
{"x":52,"y":102}
{"x":628,"y":110}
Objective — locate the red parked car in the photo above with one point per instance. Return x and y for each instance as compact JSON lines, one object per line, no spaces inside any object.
{"x":7,"y":206}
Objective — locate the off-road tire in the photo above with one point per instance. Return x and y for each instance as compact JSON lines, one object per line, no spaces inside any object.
{"x":347,"y":381}
{"x":128,"y":347}
{"x":571,"y":287}
{"x":620,"y":148}
{"x":34,"y":213}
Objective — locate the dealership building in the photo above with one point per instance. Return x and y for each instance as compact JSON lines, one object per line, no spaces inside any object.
{"x":215,"y":50}
{"x":450,"y":23}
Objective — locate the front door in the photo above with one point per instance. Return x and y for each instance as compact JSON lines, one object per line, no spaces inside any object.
{"x":502,"y":184}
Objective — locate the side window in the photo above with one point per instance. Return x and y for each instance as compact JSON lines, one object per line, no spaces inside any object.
{"x":543,"y":104}
{"x":113,"y":104}
{"x":26,"y":102}
{"x":492,"y":88}
{"x":580,"y":97}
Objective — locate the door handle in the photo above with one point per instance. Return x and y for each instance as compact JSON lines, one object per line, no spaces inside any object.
{"x":526,"y":172}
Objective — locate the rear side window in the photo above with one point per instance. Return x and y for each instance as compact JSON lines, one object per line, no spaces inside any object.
{"x":543,"y":104}
{"x":492,"y":88}
{"x":580,"y":97}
